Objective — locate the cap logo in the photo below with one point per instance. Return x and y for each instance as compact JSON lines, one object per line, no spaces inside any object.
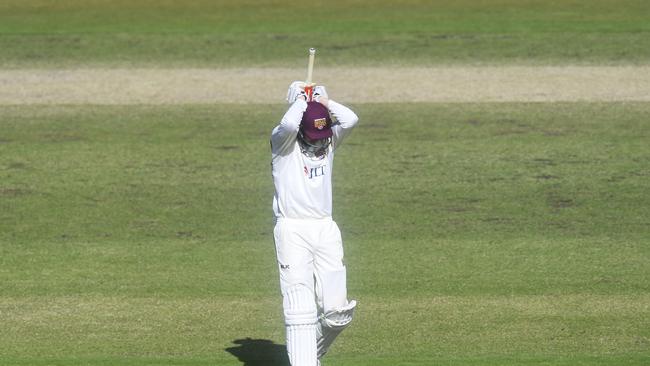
{"x":320,"y":123}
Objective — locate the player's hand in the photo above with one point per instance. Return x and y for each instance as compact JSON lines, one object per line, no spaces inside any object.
{"x":320,"y":95}
{"x":296,"y":90}
{"x":319,"y":91}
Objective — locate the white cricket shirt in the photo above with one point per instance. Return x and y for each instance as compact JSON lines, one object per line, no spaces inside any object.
{"x":303,"y":185}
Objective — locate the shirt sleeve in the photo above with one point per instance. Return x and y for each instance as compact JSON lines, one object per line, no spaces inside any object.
{"x":284,"y":135}
{"x":346,"y":120}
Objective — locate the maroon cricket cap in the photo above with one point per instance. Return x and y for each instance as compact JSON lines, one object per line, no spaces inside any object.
{"x":316,"y":123}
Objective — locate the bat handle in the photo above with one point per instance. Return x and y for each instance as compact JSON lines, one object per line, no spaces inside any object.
{"x":309,"y":90}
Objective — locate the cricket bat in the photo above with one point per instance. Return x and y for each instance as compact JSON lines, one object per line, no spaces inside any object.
{"x":309,"y":86}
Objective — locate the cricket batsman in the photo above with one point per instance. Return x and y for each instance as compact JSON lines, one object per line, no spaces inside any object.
{"x":308,"y":242}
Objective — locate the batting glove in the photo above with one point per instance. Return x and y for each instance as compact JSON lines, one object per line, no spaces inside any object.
{"x":319,"y":91}
{"x":296,"y":89}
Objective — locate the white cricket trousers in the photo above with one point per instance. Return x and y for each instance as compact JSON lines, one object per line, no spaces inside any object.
{"x":312,"y":280}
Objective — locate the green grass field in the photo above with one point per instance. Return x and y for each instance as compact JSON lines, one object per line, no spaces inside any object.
{"x":65,"y":33}
{"x":475,"y":234}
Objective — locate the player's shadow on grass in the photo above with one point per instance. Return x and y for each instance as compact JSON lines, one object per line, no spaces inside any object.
{"x":259,"y":352}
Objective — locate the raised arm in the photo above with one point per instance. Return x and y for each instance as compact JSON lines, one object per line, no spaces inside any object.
{"x":284,"y":135}
{"x":346,"y":120}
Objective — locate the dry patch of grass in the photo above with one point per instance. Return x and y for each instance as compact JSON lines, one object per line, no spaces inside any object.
{"x":353,"y":85}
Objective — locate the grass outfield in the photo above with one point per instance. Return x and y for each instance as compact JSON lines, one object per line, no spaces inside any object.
{"x":68,"y":33}
{"x":476,"y":234}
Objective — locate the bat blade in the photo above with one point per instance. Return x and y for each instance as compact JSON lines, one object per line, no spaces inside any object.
{"x":309,"y":88}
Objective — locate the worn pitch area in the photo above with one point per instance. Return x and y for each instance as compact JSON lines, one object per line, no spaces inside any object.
{"x":352,"y":85}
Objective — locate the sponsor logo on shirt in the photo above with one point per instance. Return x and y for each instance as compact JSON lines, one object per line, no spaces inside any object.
{"x":312,"y":173}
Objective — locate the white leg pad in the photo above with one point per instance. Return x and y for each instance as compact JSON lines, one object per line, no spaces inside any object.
{"x":301,"y":345}
{"x":301,"y":322}
{"x":332,"y":324}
